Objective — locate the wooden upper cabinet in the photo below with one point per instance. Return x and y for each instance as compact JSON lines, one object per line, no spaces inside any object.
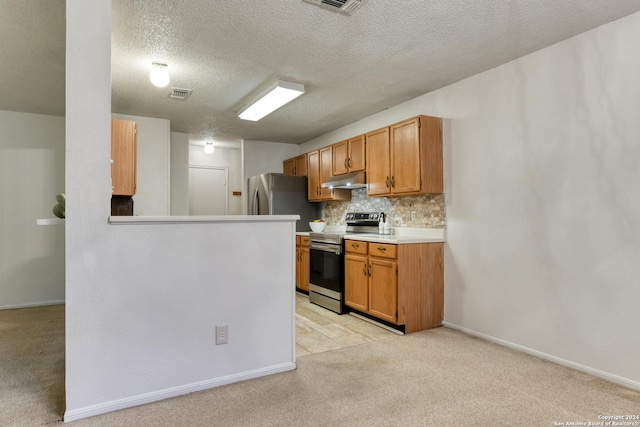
{"x":301,"y":165}
{"x":357,"y":154}
{"x":319,"y":169}
{"x":349,"y":155}
{"x":313,"y":175}
{"x":378,"y":163}
{"x":340,"y":157}
{"x":412,"y":163}
{"x":405,"y":157}
{"x":296,"y":166}
{"x":289,"y":167}
{"x":124,"y":157}
{"x":325,"y":171}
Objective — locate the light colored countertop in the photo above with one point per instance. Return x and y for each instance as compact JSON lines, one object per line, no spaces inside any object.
{"x":200,"y":219}
{"x":50,"y":221}
{"x":401,"y":235}
{"x":302,"y":233}
{"x":394,"y":238}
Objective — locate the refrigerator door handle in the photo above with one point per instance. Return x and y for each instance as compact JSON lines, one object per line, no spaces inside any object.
{"x":256,"y":203}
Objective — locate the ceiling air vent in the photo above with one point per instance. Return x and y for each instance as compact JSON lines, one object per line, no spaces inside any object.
{"x":343,"y":6}
{"x":178,"y":93}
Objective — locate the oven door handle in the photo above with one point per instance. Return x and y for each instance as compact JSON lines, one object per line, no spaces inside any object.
{"x":336,"y":249}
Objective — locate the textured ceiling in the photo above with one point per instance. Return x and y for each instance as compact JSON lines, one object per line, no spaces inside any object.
{"x":387,"y":52}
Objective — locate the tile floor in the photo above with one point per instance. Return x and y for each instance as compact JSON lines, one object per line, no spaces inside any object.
{"x":319,"y":330}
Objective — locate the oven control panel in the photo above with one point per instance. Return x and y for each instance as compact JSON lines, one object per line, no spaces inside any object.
{"x":364,"y":216}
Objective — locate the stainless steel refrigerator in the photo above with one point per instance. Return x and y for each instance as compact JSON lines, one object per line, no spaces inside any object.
{"x":279,"y":194}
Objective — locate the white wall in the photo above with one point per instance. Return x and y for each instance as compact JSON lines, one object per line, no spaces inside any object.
{"x":143,"y":299}
{"x":543,"y":207}
{"x":153,"y":176}
{"x":263,"y":157}
{"x":31,"y":174}
{"x":229,"y":158}
{"x":179,"y":173}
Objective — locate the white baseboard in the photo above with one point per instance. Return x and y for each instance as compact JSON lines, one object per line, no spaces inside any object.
{"x":142,"y":399}
{"x":32,"y":304}
{"x":625,"y":382}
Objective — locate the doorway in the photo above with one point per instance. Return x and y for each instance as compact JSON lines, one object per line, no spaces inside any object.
{"x":208,"y":190}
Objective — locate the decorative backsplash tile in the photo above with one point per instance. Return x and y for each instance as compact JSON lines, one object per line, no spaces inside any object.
{"x":430,"y":209}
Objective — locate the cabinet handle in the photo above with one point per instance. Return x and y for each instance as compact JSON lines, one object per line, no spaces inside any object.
{"x":364,"y":269}
{"x":345,"y":163}
{"x":349,"y":162}
{"x":369,"y":271}
{"x":355,"y":245}
{"x":381,"y":249}
{"x":387,"y":183}
{"x":393,"y":181}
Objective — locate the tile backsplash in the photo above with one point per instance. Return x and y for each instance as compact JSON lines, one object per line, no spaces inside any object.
{"x":429,"y":209}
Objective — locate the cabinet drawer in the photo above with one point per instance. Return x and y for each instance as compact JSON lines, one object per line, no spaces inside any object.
{"x":355,"y":246}
{"x":304,"y":240}
{"x":383,"y":250}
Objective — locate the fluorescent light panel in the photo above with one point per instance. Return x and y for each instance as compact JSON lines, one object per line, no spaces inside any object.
{"x":275,"y":97}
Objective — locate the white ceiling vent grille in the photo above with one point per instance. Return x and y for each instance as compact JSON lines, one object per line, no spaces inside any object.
{"x":343,"y":6}
{"x":178,"y":93}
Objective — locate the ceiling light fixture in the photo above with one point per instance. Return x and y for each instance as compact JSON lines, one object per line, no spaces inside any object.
{"x":159,"y":75}
{"x":208,"y":148}
{"x":272,"y":99}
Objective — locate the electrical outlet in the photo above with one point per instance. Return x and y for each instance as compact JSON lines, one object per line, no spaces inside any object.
{"x":413,"y":215}
{"x":222,"y":334}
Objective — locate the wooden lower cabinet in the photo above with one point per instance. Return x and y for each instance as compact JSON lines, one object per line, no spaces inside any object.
{"x":401,"y":284}
{"x":302,"y":263}
{"x":383,"y":289}
{"x":356,"y":295}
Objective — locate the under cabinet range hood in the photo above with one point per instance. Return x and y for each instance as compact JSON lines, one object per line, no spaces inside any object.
{"x":348,"y":181}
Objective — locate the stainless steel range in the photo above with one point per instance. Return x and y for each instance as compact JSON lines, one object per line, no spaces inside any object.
{"x":326,"y":277}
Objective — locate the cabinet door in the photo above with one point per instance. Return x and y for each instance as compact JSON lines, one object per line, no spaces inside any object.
{"x":301,"y":165}
{"x":298,"y":272}
{"x":357,"y":155}
{"x":340,"y":158}
{"x":288,"y":167}
{"x":304,"y":268}
{"x":325,"y":172}
{"x":405,"y":157}
{"x":356,"y":286}
{"x":123,"y":154}
{"x":383,"y":290}
{"x":313,"y":174}
{"x":378,"y":162}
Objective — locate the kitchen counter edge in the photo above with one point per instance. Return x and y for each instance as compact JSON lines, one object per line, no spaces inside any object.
{"x":198,"y":219}
{"x":393,"y":239}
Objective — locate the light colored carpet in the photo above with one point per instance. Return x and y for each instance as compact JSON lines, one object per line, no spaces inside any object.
{"x":439,"y":377}
{"x":31,"y":366}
